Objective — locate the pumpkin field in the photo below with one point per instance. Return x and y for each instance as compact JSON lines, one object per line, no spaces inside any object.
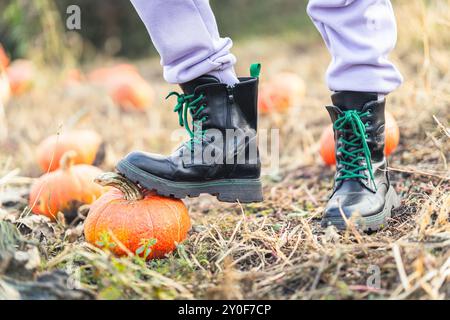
{"x":70,"y":228}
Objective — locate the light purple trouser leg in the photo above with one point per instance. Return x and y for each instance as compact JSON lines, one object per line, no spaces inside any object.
{"x":359,"y":35}
{"x":186,"y":36}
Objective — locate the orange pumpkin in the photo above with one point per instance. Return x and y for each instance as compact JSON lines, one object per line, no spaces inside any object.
{"x":392,"y":134}
{"x":21,"y":76}
{"x":107,"y":73}
{"x":65,"y":189}
{"x":265,"y":101}
{"x":4,"y":59}
{"x":327,"y":144}
{"x":87,"y":144}
{"x":135,"y":218}
{"x":283,"y":91}
{"x":133,"y":95}
{"x":5,"y":89}
{"x":125,"y":86}
{"x":73,"y":77}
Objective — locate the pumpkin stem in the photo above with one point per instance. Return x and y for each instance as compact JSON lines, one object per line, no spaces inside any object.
{"x":130,"y":190}
{"x":67,"y":160}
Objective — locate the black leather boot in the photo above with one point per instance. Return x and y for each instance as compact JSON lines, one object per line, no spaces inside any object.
{"x":361,"y":184}
{"x":221,"y":158}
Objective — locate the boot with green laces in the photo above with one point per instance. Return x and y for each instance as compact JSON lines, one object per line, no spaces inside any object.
{"x":221,"y":157}
{"x":362,"y":189}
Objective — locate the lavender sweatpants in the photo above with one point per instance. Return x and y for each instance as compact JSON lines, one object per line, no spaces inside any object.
{"x":358,"y":33}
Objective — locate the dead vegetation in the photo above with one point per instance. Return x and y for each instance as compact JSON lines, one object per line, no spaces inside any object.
{"x":275,"y":249}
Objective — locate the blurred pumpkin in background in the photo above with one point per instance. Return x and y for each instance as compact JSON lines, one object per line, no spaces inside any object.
{"x":4,"y":59}
{"x":65,"y":189}
{"x":21,"y":74}
{"x":5,"y":89}
{"x":327,"y":143}
{"x":146,"y":224}
{"x":392,"y":134}
{"x":87,"y":144}
{"x":283,"y":91}
{"x":265,"y":101}
{"x":125,"y":86}
{"x":327,"y":146}
{"x":72,"y":77}
{"x":288,"y":89}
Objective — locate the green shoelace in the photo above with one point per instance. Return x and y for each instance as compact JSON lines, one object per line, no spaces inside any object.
{"x":355,"y":150}
{"x":189,"y":103}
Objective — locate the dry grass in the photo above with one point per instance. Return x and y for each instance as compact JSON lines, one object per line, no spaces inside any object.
{"x":275,"y":249}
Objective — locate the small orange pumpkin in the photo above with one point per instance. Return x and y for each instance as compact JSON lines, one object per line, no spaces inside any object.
{"x":125,"y":86}
{"x":4,"y":59}
{"x":327,"y":144}
{"x":87,"y":144}
{"x":135,"y":218}
{"x":65,"y":189}
{"x":21,"y":76}
{"x":283,"y":91}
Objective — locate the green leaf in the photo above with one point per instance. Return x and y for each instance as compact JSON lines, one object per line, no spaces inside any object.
{"x":140,"y":250}
{"x":147,"y":252}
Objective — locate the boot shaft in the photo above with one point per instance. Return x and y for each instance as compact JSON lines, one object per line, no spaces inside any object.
{"x":226,"y":107}
{"x":359,"y":130}
{"x":228,"y":119}
{"x":228,"y":168}
{"x":373,"y":119}
{"x":361,"y":184}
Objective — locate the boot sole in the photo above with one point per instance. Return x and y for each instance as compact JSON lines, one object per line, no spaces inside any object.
{"x":226,"y":190}
{"x":371,"y":223}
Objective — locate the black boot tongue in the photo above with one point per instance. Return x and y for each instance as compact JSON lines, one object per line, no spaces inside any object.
{"x":189,"y":87}
{"x":351,"y":100}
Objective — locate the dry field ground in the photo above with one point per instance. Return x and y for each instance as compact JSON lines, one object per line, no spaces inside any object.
{"x":275,"y":249}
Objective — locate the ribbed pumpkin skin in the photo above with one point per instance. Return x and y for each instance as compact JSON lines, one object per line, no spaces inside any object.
{"x":327,"y":140}
{"x":64,"y":190}
{"x":85,"y":143}
{"x":130,"y":221}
